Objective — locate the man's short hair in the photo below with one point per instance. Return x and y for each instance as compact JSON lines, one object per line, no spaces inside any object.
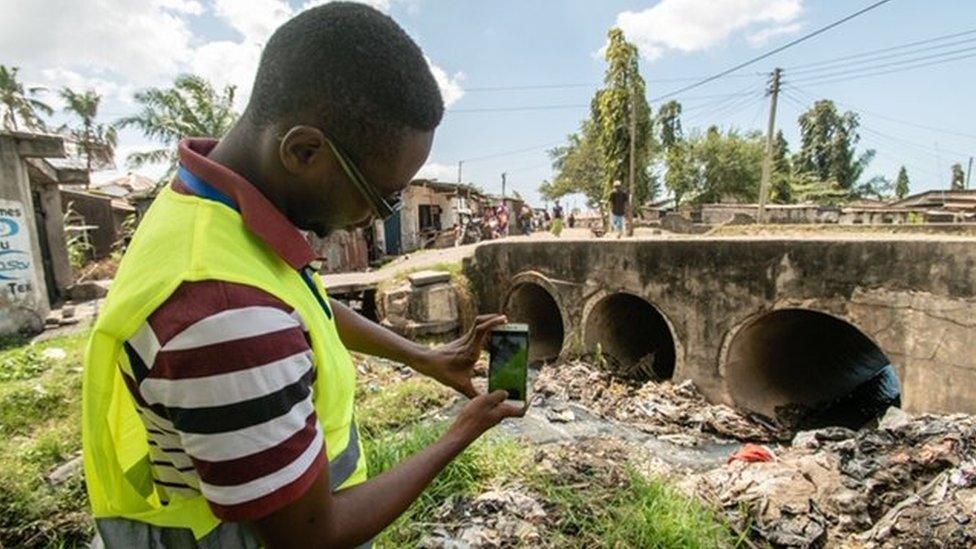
{"x":350,"y":70}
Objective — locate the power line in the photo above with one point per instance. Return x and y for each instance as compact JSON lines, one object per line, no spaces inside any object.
{"x":521,"y":108}
{"x":902,"y":63}
{"x":773,"y":51}
{"x":889,"y":118}
{"x":804,"y":66}
{"x":512,"y":152}
{"x":848,"y":65}
{"x":916,"y":151}
{"x":586,"y":85}
{"x":820,"y":80}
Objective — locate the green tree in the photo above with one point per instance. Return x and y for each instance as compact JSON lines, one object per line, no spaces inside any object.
{"x":579,"y":168}
{"x":679,"y":176}
{"x":624,"y":90}
{"x":781,"y":185}
{"x":958,"y":182}
{"x":97,"y":141}
{"x":715,"y":167}
{"x":828,"y":141}
{"x":669,"y":122}
{"x":19,"y":102}
{"x":901,"y":183}
{"x":191,"y":108}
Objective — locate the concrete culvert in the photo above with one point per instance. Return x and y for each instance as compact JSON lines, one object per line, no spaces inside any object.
{"x":532,"y":304}
{"x":633,"y":336}
{"x":807,"y":369}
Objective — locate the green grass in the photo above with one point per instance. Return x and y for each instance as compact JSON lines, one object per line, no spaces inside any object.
{"x":639,"y":512}
{"x":40,"y":407}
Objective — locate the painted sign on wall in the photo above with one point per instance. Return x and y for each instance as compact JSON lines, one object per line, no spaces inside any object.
{"x":16,"y":260}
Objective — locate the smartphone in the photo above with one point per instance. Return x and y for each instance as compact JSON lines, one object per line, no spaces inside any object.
{"x":508,"y":366}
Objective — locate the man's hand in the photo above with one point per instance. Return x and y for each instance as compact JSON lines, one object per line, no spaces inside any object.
{"x":453,"y":364}
{"x":481,"y":414}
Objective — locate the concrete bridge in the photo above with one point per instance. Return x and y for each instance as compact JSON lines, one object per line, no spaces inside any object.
{"x":758,"y":323}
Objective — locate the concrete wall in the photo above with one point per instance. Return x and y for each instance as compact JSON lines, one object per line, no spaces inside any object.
{"x":914,"y":298}
{"x":23,"y":297}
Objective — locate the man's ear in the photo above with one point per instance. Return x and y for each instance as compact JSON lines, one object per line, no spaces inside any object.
{"x":301,"y":148}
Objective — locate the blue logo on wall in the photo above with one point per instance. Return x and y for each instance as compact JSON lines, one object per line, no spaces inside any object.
{"x":10,"y":260}
{"x":8,"y":227}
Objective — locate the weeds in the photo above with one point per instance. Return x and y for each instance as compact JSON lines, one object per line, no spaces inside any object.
{"x":40,"y":428}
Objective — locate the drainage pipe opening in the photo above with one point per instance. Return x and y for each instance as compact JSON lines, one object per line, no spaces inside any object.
{"x":532,"y":304}
{"x":633,"y":337}
{"x":807,"y":369}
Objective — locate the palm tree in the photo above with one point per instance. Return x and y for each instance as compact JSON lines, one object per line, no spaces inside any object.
{"x":191,"y":108}
{"x":19,"y":102}
{"x":97,"y":141}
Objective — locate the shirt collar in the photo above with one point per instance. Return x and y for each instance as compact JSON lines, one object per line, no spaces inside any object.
{"x":260,"y":216}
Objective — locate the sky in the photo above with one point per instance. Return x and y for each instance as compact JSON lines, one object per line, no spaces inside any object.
{"x":550,"y":52}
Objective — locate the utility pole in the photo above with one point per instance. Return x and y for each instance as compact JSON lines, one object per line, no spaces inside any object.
{"x":633,"y":187}
{"x":503,"y":186}
{"x":767,"y":169}
{"x":460,"y":162}
{"x":969,"y":171}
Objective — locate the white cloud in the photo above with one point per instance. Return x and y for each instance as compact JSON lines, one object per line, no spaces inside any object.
{"x":450,"y":85}
{"x":762,"y":36}
{"x":254,"y":19}
{"x":118,"y":39}
{"x":440,"y":172}
{"x":189,"y":7}
{"x":57,"y":78}
{"x":696,"y":25}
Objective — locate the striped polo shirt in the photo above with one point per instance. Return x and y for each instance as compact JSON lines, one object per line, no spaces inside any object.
{"x":223,"y":375}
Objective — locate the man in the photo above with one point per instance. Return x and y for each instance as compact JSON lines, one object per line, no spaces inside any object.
{"x":218,"y":391}
{"x":618,"y":207}
{"x":557,"y":219}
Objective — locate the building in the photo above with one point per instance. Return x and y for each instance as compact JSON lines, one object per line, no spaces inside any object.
{"x":429,"y":212}
{"x":946,"y":206}
{"x":102,"y":217}
{"x":137,"y":190}
{"x":34,"y":267}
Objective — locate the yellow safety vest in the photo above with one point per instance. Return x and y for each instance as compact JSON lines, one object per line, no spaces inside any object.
{"x":186,"y":238}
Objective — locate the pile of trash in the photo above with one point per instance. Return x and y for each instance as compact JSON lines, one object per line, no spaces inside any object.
{"x":510,"y":517}
{"x":515,"y":515}
{"x":677,"y":411}
{"x":909,"y":483}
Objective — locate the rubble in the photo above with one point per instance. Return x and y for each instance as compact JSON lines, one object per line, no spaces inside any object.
{"x":903,"y":485}
{"x":660,"y":408}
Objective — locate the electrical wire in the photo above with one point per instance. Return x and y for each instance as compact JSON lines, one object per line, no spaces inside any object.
{"x":903,"y":62}
{"x":821,"y":80}
{"x":860,"y":110}
{"x":512,"y":152}
{"x":771,"y":52}
{"x":806,"y":66}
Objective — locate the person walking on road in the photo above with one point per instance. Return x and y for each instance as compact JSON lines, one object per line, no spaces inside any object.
{"x":618,"y":208}
{"x":218,"y":393}
{"x":557,"y":219}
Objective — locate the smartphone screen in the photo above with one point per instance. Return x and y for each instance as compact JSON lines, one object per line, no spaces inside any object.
{"x":508,"y":367}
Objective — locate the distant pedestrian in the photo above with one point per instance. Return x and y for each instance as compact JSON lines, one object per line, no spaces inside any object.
{"x":557,"y":219}
{"x":571,"y":220}
{"x":525,"y":219}
{"x":618,"y":207}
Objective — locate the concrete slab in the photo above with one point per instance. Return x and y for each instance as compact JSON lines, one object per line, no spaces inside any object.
{"x":426,"y":278}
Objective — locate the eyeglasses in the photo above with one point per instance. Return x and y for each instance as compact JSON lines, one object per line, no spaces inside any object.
{"x":383,"y":206}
